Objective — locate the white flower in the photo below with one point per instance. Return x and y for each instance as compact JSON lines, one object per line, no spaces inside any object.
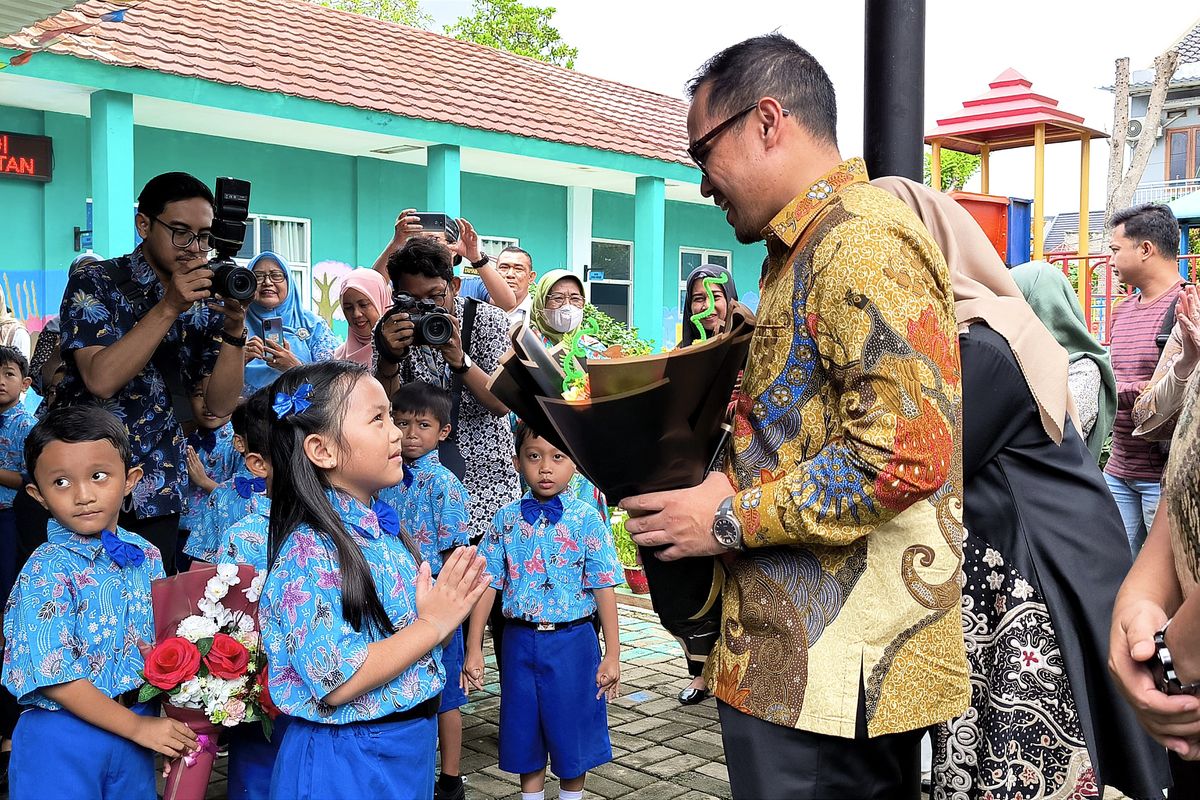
{"x":1022,"y":589}
{"x":191,"y":694}
{"x":995,"y":580}
{"x":215,"y":589}
{"x":254,"y":590}
{"x":219,"y":692}
{"x":228,"y":573}
{"x":195,"y":628}
{"x":245,"y":623}
{"x":992,"y":558}
{"x":215,"y":611}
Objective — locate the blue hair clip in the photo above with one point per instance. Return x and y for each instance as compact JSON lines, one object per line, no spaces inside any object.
{"x":297,"y":403}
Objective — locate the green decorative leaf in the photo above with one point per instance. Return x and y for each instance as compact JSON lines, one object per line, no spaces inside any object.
{"x":204,"y":646}
{"x":148,"y":692}
{"x":268,"y":726}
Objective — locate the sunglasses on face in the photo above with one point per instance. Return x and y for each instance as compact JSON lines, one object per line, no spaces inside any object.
{"x":698,"y":151}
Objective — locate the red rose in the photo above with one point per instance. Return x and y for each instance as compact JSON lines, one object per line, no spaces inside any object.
{"x":228,"y":657}
{"x":264,"y":695}
{"x":171,"y":662}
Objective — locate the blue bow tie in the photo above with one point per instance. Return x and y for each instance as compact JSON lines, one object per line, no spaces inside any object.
{"x":409,"y":476}
{"x":248,"y":486}
{"x":552,"y":510}
{"x":389,"y":520}
{"x":203,"y":441}
{"x":122,"y":553}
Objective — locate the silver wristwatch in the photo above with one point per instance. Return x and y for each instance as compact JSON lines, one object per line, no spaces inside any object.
{"x":727,"y":529}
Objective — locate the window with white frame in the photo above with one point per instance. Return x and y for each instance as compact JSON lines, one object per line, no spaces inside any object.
{"x":692,"y":257}
{"x":609,"y":281}
{"x":290,"y":238}
{"x":494,"y":245}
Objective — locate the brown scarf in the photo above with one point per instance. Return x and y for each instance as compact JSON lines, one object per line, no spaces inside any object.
{"x":985,"y":292}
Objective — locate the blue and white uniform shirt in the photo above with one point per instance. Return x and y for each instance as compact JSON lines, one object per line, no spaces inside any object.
{"x":312,"y":650}
{"x":245,"y":542}
{"x":230,"y":502}
{"x":547,"y":557}
{"x":432,"y":505}
{"x":220,"y":461}
{"x":15,"y":425}
{"x":74,"y":613}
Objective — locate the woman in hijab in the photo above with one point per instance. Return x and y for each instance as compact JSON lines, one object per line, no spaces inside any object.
{"x":364,"y":297}
{"x":695,"y":299}
{"x":13,"y":332}
{"x":1043,"y":556}
{"x":306,"y":337}
{"x":1090,"y":373}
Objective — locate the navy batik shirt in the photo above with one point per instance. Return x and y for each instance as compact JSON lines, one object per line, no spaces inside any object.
{"x":95,"y":313}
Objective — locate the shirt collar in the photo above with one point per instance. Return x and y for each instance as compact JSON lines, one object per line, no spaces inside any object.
{"x":354,"y":514}
{"x":427,"y":461}
{"x":87,"y":546}
{"x":140,"y":268}
{"x":789,"y":224}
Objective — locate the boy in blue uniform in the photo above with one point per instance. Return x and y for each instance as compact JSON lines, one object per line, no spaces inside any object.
{"x":72,"y":625}
{"x":15,"y":424}
{"x":230,"y":501}
{"x":211,"y":460}
{"x":554,"y":562}
{"x":432,"y":506}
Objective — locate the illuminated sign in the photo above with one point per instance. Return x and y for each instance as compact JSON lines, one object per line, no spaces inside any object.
{"x":24,"y":156}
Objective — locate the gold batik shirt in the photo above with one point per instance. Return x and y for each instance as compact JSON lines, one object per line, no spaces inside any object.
{"x":848,"y":464}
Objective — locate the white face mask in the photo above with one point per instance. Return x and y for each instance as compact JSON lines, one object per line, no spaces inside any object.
{"x":563,"y":320}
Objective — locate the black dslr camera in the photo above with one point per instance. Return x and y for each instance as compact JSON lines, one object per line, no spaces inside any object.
{"x":227,"y":234}
{"x":431,"y":323}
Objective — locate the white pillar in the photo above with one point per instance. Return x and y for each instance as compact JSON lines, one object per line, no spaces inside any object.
{"x":579,"y":229}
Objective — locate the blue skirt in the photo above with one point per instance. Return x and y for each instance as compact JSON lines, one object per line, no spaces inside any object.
{"x":57,"y":755}
{"x":252,"y":759}
{"x":356,"y":761}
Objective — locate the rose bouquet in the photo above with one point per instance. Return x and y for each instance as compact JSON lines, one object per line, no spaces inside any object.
{"x":207,"y":663}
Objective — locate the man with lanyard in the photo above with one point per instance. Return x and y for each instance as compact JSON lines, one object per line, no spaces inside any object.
{"x":129,"y":322}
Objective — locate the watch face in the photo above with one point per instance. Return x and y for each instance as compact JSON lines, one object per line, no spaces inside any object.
{"x":726,"y":531}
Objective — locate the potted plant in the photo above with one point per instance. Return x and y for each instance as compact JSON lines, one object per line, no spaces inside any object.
{"x":627,"y":553}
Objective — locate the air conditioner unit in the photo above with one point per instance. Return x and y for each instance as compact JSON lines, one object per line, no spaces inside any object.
{"x":1133,"y":131}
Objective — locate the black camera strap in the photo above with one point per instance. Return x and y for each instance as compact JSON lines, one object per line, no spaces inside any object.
{"x":456,"y":379}
{"x":167,"y":366}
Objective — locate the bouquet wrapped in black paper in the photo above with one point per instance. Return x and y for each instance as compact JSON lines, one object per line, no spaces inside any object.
{"x":637,"y":425}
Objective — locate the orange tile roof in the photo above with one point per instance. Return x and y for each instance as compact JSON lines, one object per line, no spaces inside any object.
{"x":299,"y":48}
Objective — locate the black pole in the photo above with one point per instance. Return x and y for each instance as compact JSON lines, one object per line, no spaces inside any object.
{"x":894,"y":96}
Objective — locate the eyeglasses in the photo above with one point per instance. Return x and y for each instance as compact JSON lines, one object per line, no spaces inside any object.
{"x":183,"y":238}
{"x":273,"y":277}
{"x":699,"y":150}
{"x":557,"y":300}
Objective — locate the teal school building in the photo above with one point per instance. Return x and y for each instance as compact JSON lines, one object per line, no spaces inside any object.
{"x":339,"y":122}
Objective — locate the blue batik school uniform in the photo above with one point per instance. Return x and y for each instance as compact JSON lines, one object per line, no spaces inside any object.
{"x":76,"y":613}
{"x":229,"y":502}
{"x":432,"y":506}
{"x":220,"y":461}
{"x":382,"y":743}
{"x":251,"y":755}
{"x":547,"y":558}
{"x":15,"y":424}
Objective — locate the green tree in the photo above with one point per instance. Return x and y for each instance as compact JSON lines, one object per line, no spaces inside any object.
{"x":957,"y":169}
{"x":406,"y":12}
{"x":513,"y":26}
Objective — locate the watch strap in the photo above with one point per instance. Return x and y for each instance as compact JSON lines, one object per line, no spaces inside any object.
{"x":1163,"y":668}
{"x":482,"y":262}
{"x":235,"y":341}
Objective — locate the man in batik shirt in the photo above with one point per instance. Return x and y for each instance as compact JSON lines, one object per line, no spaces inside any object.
{"x":839,"y":517}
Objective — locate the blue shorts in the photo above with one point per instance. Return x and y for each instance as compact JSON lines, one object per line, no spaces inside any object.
{"x":57,"y":755}
{"x":452,"y":659}
{"x":548,"y":702}
{"x":352,"y":762}
{"x":252,"y":759}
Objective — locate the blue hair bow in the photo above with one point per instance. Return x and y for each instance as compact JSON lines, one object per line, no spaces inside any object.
{"x":297,"y":403}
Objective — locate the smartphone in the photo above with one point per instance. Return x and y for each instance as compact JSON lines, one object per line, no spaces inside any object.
{"x":273,"y":329}
{"x":439,"y":223}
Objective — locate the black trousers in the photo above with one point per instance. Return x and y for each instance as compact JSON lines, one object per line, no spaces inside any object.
{"x":162,"y":532}
{"x":770,"y":762}
{"x":1186,"y":777}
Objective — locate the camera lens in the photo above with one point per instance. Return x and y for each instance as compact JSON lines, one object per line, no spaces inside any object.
{"x":436,"y":329}
{"x":234,"y":282}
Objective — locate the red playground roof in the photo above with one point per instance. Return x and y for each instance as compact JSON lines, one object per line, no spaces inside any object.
{"x":1004,"y":117}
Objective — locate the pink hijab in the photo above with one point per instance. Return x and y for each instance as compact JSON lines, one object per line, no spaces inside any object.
{"x":358,"y":347}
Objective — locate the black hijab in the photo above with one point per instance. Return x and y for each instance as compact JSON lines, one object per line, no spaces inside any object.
{"x":703,"y":271}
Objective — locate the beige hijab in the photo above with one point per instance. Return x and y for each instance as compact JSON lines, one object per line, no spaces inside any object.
{"x":984,"y":291}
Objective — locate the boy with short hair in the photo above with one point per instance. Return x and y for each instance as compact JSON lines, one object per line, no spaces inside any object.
{"x":15,"y":424}
{"x":245,"y":542}
{"x":230,"y":501}
{"x":554,"y":560}
{"x":80,"y":606}
{"x":211,"y":460}
{"x":432,"y":506}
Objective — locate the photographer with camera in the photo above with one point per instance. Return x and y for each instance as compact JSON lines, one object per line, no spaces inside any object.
{"x":417,"y":340}
{"x":140,"y":329}
{"x":283,"y":333}
{"x":462,"y":240}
